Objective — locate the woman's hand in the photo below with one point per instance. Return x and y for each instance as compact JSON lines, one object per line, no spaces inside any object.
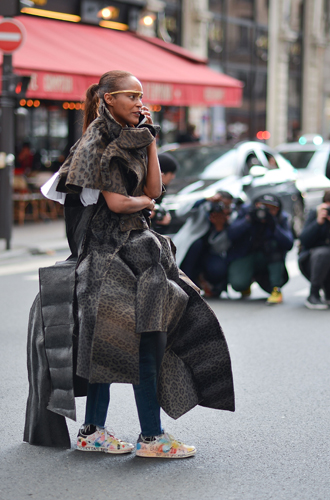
{"x":152,"y":203}
{"x":145,"y":111}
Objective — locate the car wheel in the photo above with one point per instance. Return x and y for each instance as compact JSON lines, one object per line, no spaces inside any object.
{"x":298,"y":217}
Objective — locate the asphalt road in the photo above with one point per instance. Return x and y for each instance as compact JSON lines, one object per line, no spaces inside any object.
{"x":275,"y":446}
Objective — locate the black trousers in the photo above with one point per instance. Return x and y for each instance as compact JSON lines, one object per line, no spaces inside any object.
{"x":316,"y":268}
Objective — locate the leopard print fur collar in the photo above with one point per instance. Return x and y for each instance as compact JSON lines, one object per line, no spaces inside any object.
{"x":89,"y":161}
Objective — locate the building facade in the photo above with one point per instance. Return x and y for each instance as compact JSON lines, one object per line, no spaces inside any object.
{"x":283,"y":65}
{"x":280,"y":50}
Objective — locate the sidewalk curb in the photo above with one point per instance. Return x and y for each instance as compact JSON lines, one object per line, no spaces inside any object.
{"x":38,"y":249}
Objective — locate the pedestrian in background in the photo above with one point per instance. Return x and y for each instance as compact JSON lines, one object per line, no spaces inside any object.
{"x":314,"y":255}
{"x":138,"y":321}
{"x":24,"y":160}
{"x":168,"y":167}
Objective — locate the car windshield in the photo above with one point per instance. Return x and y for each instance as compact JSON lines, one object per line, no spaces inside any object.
{"x":205,"y":162}
{"x":298,"y":159}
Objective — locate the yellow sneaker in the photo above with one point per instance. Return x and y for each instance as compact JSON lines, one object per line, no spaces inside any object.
{"x":275,"y":297}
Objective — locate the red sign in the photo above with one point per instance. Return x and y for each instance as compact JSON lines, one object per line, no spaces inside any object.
{"x":12,"y":35}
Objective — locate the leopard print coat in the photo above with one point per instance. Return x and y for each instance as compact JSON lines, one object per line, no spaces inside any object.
{"x":127,"y":283}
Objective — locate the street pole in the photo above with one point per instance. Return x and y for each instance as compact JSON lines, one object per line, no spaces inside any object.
{"x":7,"y":146}
{"x":272,"y":113}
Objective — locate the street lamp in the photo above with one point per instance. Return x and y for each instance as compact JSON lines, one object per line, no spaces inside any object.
{"x":148,"y":20}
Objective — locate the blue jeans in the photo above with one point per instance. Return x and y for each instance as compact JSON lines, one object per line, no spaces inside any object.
{"x":215,"y":269}
{"x":191,"y":264}
{"x":152,"y":347}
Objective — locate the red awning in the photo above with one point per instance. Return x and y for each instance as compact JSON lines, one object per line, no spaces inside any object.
{"x":64,"y":59}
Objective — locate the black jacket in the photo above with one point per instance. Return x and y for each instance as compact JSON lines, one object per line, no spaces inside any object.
{"x":248,"y":237}
{"x":313,"y":234}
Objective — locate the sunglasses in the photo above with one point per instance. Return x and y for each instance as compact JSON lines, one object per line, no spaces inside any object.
{"x":135,"y":93}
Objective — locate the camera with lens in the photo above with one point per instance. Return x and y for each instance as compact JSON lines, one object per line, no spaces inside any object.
{"x":260,"y":213}
{"x":160,"y":213}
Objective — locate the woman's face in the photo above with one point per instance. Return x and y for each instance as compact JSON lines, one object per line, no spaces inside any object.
{"x":126,"y":107}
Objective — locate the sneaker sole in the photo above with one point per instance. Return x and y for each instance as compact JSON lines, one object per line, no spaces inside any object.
{"x":163,"y":455}
{"x":110,"y":452}
{"x":320,"y":307}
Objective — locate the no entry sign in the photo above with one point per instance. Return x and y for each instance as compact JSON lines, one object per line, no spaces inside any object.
{"x":12,"y":35}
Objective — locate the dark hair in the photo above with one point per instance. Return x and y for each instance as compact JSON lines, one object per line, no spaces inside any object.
{"x":167,"y":163}
{"x":326,"y":196}
{"x":225,"y":195}
{"x":109,"y":82}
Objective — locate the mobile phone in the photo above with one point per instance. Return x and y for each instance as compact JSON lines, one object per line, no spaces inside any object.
{"x":142,"y":120}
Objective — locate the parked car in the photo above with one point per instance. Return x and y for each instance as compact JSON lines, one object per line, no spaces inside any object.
{"x":311,"y":157}
{"x":246,"y":170}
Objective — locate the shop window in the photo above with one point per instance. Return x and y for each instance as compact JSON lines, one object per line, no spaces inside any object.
{"x":294,"y":106}
{"x":294,"y":91}
{"x":239,"y":47}
{"x":296,"y":15}
{"x":261,"y":47}
{"x":49,"y":132}
{"x":260,"y":88}
{"x":172,"y":20}
{"x":216,"y":39}
{"x":216,"y":6}
{"x":40,"y":122}
{"x":58,"y":123}
{"x":295,"y":51}
{"x":262,"y":7}
{"x":242,"y":9}
{"x":246,"y":78}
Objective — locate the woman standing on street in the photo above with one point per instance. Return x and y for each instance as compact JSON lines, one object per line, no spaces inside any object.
{"x":138,"y":320}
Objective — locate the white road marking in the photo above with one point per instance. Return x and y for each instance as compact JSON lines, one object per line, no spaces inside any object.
{"x":25,"y":267}
{"x":293,"y":268}
{"x":31,"y":277}
{"x":304,"y":292}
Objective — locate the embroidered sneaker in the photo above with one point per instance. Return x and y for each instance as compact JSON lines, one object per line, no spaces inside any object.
{"x":163,"y":446}
{"x":101,"y":440}
{"x":275,"y":297}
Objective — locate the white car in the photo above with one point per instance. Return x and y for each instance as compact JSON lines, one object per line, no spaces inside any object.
{"x":311,"y":157}
{"x":247,"y":170}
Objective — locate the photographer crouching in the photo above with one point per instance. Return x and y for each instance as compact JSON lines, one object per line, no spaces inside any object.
{"x":202,"y":243}
{"x":168,"y":167}
{"x":314,"y":255}
{"x":261,"y":237}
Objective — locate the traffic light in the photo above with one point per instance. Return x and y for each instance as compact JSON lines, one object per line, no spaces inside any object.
{"x":18,"y":85}
{"x":22,"y":85}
